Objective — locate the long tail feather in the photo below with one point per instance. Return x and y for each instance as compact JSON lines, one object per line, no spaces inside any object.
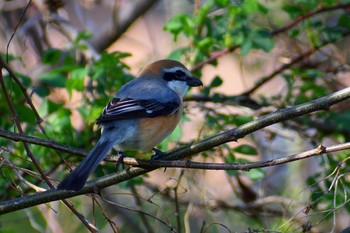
{"x":77,"y":178}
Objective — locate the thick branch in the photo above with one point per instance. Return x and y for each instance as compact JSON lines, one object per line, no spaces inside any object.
{"x":323,"y":103}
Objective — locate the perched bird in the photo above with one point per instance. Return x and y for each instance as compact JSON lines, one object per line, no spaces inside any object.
{"x":142,"y":113}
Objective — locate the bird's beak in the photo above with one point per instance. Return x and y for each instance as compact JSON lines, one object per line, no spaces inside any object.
{"x":194,"y":82}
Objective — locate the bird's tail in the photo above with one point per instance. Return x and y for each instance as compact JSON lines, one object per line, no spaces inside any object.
{"x":77,"y":178}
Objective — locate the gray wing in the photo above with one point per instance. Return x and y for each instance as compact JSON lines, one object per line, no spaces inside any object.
{"x":141,"y":99}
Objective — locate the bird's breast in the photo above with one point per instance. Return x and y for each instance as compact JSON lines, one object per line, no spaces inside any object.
{"x":153,"y":130}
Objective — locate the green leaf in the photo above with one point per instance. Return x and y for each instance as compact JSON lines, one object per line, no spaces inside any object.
{"x":216,"y":82}
{"x":263,"y":9}
{"x":53,"y":107}
{"x":76,"y":80}
{"x":26,"y":114}
{"x":95,"y":113}
{"x":84,"y":35}
{"x":53,"y":79}
{"x":241,"y":119}
{"x":250,"y":6}
{"x":84,"y":112}
{"x":42,"y":91}
{"x":246,"y":149}
{"x":263,"y":40}
{"x":293,"y":10}
{"x":181,"y":23}
{"x":26,"y":81}
{"x":255,"y":174}
{"x":253,"y":6}
{"x":245,"y":48}
{"x":344,"y":21}
{"x":177,"y":53}
{"x":205,"y":44}
{"x":51,"y":56}
{"x":10,"y":57}
{"x":222,"y":3}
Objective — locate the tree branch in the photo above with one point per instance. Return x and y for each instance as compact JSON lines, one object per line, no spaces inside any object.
{"x":7,"y":67}
{"x":309,"y":15}
{"x":42,"y":142}
{"x":295,"y":60}
{"x":241,"y":100}
{"x":95,"y":185}
{"x":237,"y":166}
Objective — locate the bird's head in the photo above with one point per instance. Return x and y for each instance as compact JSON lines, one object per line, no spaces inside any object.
{"x":173,"y":73}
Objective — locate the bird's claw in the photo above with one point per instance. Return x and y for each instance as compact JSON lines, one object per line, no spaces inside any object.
{"x":120,"y":161}
{"x":158,"y":154}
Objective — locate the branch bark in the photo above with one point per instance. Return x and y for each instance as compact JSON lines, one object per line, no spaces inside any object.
{"x":234,"y":134}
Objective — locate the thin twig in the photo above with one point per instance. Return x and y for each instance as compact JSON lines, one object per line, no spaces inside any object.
{"x":42,"y":142}
{"x":309,"y":15}
{"x":176,"y":199}
{"x":238,"y":166}
{"x":5,"y":65}
{"x":138,"y":201}
{"x":15,"y":30}
{"x":284,"y":67}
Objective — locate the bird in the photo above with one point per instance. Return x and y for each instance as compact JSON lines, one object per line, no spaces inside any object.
{"x":141,"y":114}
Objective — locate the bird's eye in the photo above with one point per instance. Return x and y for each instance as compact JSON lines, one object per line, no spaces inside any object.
{"x":179,"y":74}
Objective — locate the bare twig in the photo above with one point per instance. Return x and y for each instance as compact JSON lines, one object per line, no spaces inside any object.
{"x":215,"y":56}
{"x":138,"y":201}
{"x":42,"y":142}
{"x":6,"y":66}
{"x":309,"y":15}
{"x":15,"y":29}
{"x":176,"y":199}
{"x":241,"y":100}
{"x":239,"y":166}
{"x":295,"y":60}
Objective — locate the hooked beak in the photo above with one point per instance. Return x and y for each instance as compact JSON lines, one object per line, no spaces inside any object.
{"x":194,"y":82}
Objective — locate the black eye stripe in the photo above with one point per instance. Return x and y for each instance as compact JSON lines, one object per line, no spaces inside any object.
{"x":177,"y":75}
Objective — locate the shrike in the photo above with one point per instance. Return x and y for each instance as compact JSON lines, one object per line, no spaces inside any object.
{"x":142,"y":113}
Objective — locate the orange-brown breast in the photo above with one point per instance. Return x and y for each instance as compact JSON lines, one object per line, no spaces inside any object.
{"x":153,"y":130}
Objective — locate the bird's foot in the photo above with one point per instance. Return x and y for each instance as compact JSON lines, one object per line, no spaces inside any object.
{"x":158,"y":154}
{"x":120,"y":161}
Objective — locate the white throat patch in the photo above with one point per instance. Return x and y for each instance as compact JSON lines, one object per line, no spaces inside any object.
{"x":180,"y":87}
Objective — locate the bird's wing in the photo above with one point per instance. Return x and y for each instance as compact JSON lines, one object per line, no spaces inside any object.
{"x":128,"y":108}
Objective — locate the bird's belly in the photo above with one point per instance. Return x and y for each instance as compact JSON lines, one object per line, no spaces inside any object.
{"x":153,"y":130}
